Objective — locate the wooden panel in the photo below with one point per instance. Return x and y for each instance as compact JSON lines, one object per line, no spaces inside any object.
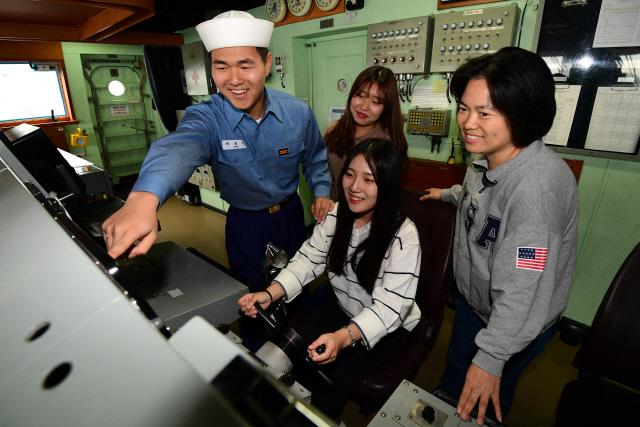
{"x":428,"y":173}
{"x":88,"y":20}
{"x":56,"y":135}
{"x":459,"y":3}
{"x":145,"y":37}
{"x":31,"y":51}
{"x":102,"y":22}
{"x":576,"y":167}
{"x":424,"y":174}
{"x":314,"y":12}
{"x":124,"y":24}
{"x":10,"y":31}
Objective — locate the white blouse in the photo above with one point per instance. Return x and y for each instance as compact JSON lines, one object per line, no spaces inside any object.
{"x":392,"y":302}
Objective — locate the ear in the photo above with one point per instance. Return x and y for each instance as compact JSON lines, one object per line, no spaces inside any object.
{"x":267,"y":64}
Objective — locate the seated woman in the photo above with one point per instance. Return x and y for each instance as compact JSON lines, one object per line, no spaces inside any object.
{"x":371,"y":253}
{"x":372,"y":111}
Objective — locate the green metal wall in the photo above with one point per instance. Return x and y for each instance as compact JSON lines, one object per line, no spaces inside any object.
{"x":73,"y":53}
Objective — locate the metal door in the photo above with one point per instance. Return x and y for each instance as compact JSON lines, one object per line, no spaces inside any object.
{"x":336,"y":62}
{"x":122,"y":124}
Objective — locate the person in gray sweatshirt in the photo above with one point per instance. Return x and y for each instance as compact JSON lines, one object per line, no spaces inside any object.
{"x":516,"y":230}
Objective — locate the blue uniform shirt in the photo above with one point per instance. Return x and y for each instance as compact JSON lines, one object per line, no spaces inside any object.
{"x":255,"y":164}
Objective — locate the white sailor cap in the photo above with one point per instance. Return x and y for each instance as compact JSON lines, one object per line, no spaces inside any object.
{"x":234,"y":28}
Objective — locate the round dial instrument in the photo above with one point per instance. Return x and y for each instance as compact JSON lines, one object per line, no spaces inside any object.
{"x":276,"y":10}
{"x":327,"y":5}
{"x":299,"y":7}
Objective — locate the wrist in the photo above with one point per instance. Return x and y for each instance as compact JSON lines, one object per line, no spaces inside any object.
{"x":344,"y":338}
{"x":350,"y":337}
{"x":144,"y":197}
{"x":277,"y":290}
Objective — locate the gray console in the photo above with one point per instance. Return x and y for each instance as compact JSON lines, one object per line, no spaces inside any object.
{"x":411,"y":406}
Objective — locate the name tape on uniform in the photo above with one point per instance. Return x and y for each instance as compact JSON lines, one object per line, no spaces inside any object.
{"x":233,"y":144}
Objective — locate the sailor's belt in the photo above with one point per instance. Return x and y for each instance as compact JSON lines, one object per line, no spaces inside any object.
{"x":275,"y":208}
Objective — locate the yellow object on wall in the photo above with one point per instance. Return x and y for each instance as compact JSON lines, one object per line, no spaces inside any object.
{"x":79,"y":138}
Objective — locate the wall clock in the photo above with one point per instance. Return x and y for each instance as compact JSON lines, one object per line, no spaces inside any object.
{"x":276,"y":10}
{"x":326,"y":5}
{"x":299,"y":7}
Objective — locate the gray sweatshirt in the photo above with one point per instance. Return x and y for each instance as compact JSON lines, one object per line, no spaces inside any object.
{"x":515,"y":248}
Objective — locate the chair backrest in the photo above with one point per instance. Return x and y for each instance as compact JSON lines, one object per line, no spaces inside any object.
{"x":435,"y":221}
{"x":612,"y":349}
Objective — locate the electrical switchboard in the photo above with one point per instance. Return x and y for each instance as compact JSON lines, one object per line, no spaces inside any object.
{"x":402,"y":46}
{"x":460,"y":35}
{"x":426,"y":121}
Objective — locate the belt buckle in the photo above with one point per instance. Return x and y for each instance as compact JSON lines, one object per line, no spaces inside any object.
{"x":275,"y":208}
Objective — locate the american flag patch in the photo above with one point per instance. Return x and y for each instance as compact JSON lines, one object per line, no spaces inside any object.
{"x":532,"y":258}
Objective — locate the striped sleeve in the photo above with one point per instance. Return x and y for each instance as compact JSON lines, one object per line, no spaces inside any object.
{"x":311,"y":259}
{"x":393,"y":298}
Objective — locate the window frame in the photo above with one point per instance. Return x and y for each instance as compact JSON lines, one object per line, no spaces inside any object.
{"x":66,"y":99}
{"x":41,"y":52}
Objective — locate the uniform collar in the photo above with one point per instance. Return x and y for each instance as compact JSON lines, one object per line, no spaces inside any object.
{"x":235,"y":115}
{"x":522,"y":158}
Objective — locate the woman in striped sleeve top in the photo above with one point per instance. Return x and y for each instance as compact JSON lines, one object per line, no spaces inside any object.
{"x":371,"y":253}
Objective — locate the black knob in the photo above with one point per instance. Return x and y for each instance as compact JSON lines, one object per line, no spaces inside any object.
{"x":321,"y":348}
{"x":429,"y":414}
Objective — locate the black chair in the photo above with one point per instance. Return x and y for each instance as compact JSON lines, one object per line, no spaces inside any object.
{"x":607,"y":391}
{"x":435,"y":221}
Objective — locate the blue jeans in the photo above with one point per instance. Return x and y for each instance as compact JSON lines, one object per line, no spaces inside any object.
{"x":462,"y":349}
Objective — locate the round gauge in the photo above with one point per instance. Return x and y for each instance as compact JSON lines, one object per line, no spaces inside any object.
{"x":276,"y":10}
{"x":299,"y":7}
{"x":327,"y":5}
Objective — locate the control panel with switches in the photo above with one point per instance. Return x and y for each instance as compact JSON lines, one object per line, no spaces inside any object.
{"x":402,"y":46}
{"x":411,"y":406}
{"x":461,"y":35}
{"x":427,"y":121}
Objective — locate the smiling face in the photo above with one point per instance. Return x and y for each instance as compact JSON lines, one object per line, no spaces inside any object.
{"x":239,"y":74}
{"x":360,"y":189}
{"x":484,"y":129}
{"x":367,"y":106}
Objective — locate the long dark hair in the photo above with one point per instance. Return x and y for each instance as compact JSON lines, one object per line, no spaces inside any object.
{"x":340,"y":139}
{"x":521,"y":87}
{"x":386,"y":166}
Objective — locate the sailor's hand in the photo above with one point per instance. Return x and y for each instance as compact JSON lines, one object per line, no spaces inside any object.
{"x":135,"y":223}
{"x":321,"y":207}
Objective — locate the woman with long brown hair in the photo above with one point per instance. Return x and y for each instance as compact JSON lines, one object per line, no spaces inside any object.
{"x":373,"y":111}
